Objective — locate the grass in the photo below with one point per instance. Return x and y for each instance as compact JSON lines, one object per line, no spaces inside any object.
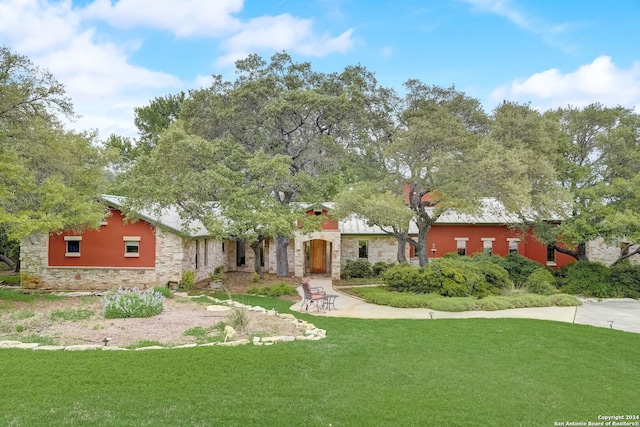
{"x":72,"y":315}
{"x":470,"y":372}
{"x":16,"y":295}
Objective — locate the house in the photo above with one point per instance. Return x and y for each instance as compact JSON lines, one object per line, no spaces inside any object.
{"x":157,"y":249}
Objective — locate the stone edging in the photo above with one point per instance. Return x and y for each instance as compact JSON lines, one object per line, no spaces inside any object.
{"x":311,"y":333}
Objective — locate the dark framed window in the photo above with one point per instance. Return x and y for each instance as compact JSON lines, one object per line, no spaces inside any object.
{"x":240,"y":253}
{"x":363,"y":249}
{"x":72,"y":246}
{"x":551,"y":255}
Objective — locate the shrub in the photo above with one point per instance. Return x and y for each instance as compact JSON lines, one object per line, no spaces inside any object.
{"x":456,"y":277}
{"x":453,"y":304}
{"x":625,"y":279}
{"x":188,"y":280}
{"x":494,"y":303}
{"x":564,"y":300}
{"x":218,"y":274}
{"x":405,"y":278}
{"x":131,"y":302}
{"x":494,"y":274}
{"x":585,"y":278}
{"x":380,"y":267}
{"x":531,"y":300}
{"x":255,"y":277}
{"x":163,"y":290}
{"x":358,"y":268}
{"x":239,"y":320}
{"x":518,"y":267}
{"x":276,"y":290}
{"x":541,"y":282}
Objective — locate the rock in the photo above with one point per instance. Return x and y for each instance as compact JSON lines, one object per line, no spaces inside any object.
{"x":27,"y":345}
{"x":108,"y":348}
{"x":9,"y":344}
{"x":276,"y":339}
{"x":151,"y":347}
{"x":287,"y":316}
{"x":229,"y":332}
{"x":186,"y":345}
{"x":82,"y":347}
{"x":218,"y":308}
{"x":49,"y":347}
{"x":234,"y":343}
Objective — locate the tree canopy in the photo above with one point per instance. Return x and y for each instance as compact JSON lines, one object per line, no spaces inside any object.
{"x":50,"y":177}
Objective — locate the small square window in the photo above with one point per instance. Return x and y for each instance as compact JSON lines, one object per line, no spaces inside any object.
{"x":72,"y":246}
{"x":487,"y":245}
{"x":131,"y":246}
{"x":461,"y":245}
{"x":363,"y":249}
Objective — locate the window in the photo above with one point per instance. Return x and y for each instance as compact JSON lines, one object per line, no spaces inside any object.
{"x":223,"y":247}
{"x":206,"y":252}
{"x":551,"y":255}
{"x":240,"y":253}
{"x":487,"y":245}
{"x":131,"y":246}
{"x":461,"y":245}
{"x":197,"y":252}
{"x":513,"y":245}
{"x":363,"y":249}
{"x":73,"y":246}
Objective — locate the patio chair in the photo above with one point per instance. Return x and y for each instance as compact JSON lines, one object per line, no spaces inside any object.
{"x":312,"y":296}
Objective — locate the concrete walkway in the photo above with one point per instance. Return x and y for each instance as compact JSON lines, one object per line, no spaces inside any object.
{"x":620,"y":314}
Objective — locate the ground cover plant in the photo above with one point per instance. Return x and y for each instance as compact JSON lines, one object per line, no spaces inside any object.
{"x":132,"y":302}
{"x":366,"y":372}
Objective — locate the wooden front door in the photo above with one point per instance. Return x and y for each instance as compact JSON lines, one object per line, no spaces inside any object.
{"x":318,"y":256}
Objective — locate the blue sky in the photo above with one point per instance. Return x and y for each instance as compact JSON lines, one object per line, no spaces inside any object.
{"x":114,"y":56}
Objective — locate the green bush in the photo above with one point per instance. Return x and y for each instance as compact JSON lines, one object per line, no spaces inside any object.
{"x":541,"y":282}
{"x":564,"y":300}
{"x":453,"y":304}
{"x":518,"y":267}
{"x":380,"y":267}
{"x":456,"y":277}
{"x":625,"y":279}
{"x":276,"y":290}
{"x":586,"y":278}
{"x":494,"y":303}
{"x":531,"y":300}
{"x":218,"y":274}
{"x":163,"y":290}
{"x":132,"y":302}
{"x":405,"y":278}
{"x":188,"y":280}
{"x":358,"y":268}
{"x":494,"y":274}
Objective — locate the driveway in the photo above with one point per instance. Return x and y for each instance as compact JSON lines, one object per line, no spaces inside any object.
{"x":619,"y":313}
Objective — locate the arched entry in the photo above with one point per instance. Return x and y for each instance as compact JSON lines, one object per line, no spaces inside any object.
{"x":318,"y":256}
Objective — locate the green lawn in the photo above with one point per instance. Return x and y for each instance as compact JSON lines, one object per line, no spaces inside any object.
{"x":472,"y":372}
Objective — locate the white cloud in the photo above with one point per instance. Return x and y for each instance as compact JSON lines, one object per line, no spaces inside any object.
{"x":600,"y":81}
{"x":283,"y":32}
{"x":386,"y":51}
{"x":185,"y":18}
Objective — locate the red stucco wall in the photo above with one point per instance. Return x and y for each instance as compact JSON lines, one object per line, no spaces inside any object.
{"x":444,"y":238}
{"x":104,"y":247}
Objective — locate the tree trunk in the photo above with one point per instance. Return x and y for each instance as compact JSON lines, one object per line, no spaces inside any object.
{"x":580,"y":253}
{"x":402,"y":245}
{"x":282,"y":260}
{"x":7,"y":260}
{"x":421,"y":247}
{"x":257,"y":257}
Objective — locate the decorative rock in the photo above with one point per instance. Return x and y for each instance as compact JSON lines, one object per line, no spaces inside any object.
{"x":27,"y":345}
{"x":218,"y":308}
{"x":276,"y":339}
{"x":209,"y":344}
{"x":229,"y":332}
{"x":83,"y":347}
{"x":151,"y":347}
{"x":287,"y":316}
{"x":258,"y":309}
{"x":272,"y":312}
{"x":186,"y":346}
{"x":9,"y":344}
{"x":114,"y":348}
{"x":49,"y":347}
{"x":234,"y":343}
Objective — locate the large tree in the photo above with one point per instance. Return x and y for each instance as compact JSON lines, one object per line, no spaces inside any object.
{"x":50,"y":177}
{"x":424,"y":162}
{"x":600,"y":163}
{"x":283,"y":108}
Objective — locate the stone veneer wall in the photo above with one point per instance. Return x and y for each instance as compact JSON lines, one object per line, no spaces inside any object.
{"x":599,"y":251}
{"x":37,"y":274}
{"x":299,"y":256}
{"x":381,"y":248}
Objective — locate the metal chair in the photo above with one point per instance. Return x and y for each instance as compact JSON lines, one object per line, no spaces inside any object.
{"x":312,"y":296}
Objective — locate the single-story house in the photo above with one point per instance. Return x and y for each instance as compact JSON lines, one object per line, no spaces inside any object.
{"x":158,"y":249}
